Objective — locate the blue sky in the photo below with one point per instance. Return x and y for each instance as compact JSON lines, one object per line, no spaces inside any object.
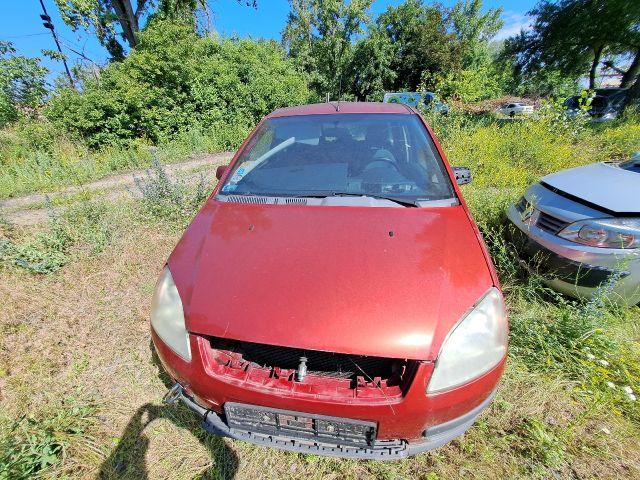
{"x":21,"y":24}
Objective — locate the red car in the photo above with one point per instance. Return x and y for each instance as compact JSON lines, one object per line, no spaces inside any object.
{"x":333,"y":295}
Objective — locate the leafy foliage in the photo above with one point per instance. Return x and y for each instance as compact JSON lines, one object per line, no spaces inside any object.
{"x":82,"y":226}
{"x":30,"y":445}
{"x":22,"y":84}
{"x":111,"y":20}
{"x":475,"y":29}
{"x":319,"y":37}
{"x":175,"y":80}
{"x":574,"y":36}
{"x":422,"y":42}
{"x":407,"y":47}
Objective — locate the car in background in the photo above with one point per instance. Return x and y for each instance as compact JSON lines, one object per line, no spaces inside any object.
{"x":515,"y":108}
{"x":428,"y":100}
{"x":333,"y":295}
{"x":604,"y":106}
{"x":580,"y":228}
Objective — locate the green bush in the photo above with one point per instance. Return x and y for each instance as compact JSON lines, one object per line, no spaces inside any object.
{"x":175,"y":81}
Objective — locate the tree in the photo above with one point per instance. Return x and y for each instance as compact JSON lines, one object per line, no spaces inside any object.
{"x":370,"y":70}
{"x":319,"y":36}
{"x":422,"y":42}
{"x":475,"y":30}
{"x":103,"y":17}
{"x":22,"y":83}
{"x":574,"y":36}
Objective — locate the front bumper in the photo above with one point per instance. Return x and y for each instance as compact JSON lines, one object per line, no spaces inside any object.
{"x":573,"y":269}
{"x":434,"y":437}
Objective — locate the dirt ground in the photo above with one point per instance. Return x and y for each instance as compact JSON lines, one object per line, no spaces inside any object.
{"x":31,"y":209}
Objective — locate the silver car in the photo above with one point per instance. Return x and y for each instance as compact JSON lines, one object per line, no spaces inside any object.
{"x":580,"y":228}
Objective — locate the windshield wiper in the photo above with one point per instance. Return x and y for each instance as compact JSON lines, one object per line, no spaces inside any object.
{"x":400,"y":201}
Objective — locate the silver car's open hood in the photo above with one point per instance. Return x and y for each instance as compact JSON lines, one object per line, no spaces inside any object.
{"x":603,"y":185}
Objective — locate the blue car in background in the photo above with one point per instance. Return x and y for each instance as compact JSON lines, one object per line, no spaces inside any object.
{"x":429,"y":100}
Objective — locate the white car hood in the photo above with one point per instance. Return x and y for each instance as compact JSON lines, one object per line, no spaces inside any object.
{"x":603,"y":185}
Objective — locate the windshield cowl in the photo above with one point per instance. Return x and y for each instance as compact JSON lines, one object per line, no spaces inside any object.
{"x":350,"y":200}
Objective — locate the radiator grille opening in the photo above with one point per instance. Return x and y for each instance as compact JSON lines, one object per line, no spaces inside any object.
{"x":550,"y":224}
{"x":319,"y":363}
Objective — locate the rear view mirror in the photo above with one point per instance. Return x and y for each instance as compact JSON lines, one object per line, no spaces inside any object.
{"x":463,"y":175}
{"x":220,"y":171}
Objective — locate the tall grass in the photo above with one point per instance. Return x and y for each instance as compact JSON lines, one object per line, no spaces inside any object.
{"x":81,"y":229}
{"x":34,"y":157}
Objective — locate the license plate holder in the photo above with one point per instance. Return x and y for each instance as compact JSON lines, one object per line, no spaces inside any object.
{"x":287,"y":423}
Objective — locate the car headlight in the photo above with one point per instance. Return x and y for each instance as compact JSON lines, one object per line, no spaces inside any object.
{"x":605,"y":232}
{"x":475,"y":345}
{"x":167,"y":316}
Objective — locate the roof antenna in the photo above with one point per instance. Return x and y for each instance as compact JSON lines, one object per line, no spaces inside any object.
{"x":339,"y":95}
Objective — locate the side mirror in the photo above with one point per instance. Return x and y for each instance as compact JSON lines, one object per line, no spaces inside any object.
{"x":220,"y":171}
{"x":463,"y":175}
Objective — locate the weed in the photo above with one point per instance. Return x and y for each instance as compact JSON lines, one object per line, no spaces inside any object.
{"x":31,"y":445}
{"x":170,"y":201}
{"x":542,"y":444}
{"x":47,"y":251}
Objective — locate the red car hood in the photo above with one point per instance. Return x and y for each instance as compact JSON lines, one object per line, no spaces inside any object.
{"x":386,"y":282}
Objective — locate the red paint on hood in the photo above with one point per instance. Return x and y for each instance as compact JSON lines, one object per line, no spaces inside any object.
{"x":330,"y":278}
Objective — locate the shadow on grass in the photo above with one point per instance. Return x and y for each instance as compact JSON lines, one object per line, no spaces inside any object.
{"x":128,"y":459}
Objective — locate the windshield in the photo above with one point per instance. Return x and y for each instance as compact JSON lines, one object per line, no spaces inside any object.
{"x":632,"y":165}
{"x":388,"y":155}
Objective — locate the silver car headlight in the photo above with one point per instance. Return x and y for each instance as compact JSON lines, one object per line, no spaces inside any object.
{"x":475,"y":345}
{"x":604,"y":232}
{"x":167,"y":316}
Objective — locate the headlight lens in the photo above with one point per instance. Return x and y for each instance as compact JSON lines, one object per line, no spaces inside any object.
{"x":476,"y":345}
{"x":605,"y":232}
{"x":167,"y":316}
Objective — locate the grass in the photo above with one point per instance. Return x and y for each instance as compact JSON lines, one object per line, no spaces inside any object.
{"x":563,"y":409}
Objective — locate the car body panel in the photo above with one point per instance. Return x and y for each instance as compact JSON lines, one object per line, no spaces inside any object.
{"x":370,"y":281}
{"x":331,"y":108}
{"x":615,"y":186}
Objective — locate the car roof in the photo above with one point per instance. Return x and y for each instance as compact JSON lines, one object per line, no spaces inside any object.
{"x":331,"y":108}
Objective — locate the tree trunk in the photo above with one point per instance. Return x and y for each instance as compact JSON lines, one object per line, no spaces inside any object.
{"x":597,"y":53}
{"x":127,"y":19}
{"x":630,"y":75}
